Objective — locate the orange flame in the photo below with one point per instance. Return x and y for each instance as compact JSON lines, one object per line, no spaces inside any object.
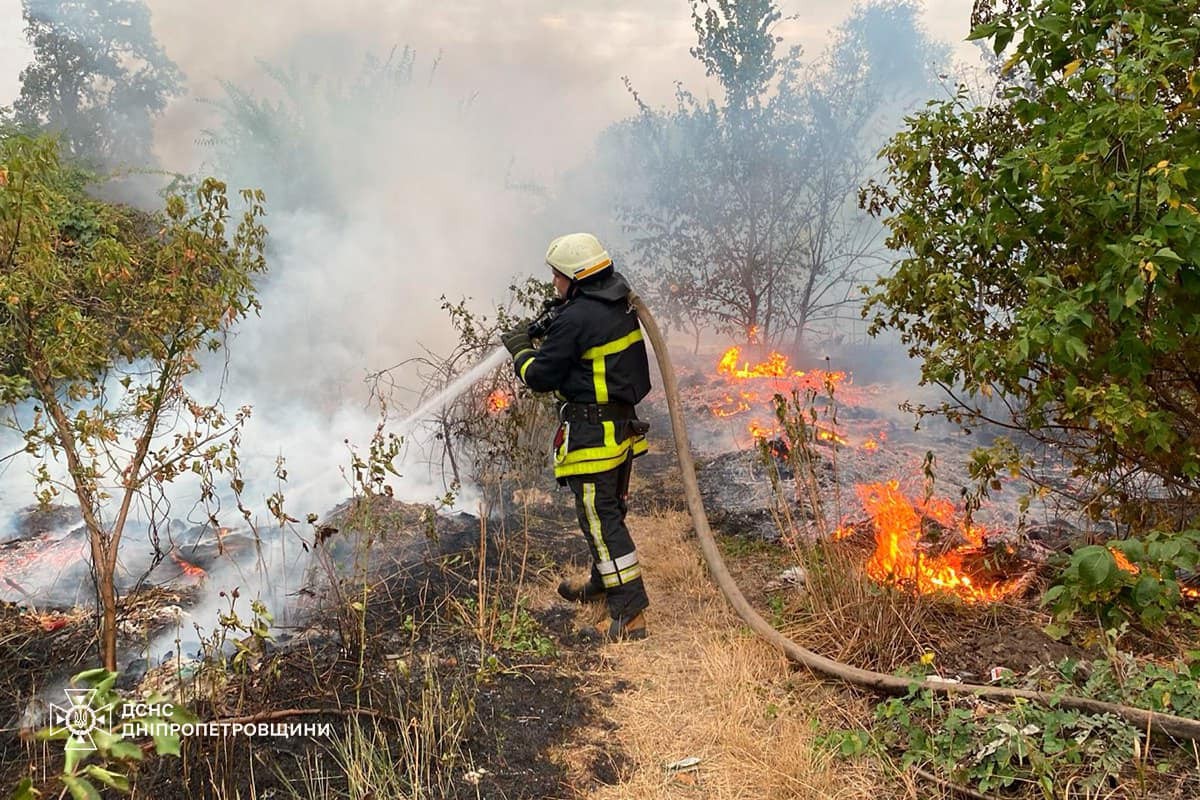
{"x":731,"y":406}
{"x":827,"y":435}
{"x":898,"y":557}
{"x":775,"y":369}
{"x":1124,"y":563}
{"x":775,"y":366}
{"x":497,"y":401}
{"x":842,"y":531}
{"x":759,"y":431}
{"x":188,"y":568}
{"x":870,"y":445}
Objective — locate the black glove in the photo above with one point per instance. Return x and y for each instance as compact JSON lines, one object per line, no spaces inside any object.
{"x":517,"y":340}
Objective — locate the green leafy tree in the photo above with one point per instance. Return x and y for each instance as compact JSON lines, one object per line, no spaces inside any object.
{"x":746,"y":208}
{"x":1051,"y":239}
{"x":98,"y":78}
{"x":103,"y":312}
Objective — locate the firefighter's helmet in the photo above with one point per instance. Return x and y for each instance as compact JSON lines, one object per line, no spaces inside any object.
{"x":577,"y":256}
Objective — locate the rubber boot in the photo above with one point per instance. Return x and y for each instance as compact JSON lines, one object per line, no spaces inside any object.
{"x":618,"y":630}
{"x":581,"y":591}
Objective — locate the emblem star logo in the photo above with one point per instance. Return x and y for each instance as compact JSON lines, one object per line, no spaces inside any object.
{"x":79,"y":718}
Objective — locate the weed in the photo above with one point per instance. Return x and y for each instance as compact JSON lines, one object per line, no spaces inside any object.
{"x":1125,"y":580}
{"x":417,"y":761}
{"x":1057,"y":753}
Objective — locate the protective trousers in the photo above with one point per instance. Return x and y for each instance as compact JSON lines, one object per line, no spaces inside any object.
{"x":600,"y":502}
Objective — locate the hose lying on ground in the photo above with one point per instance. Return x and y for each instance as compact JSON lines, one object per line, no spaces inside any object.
{"x":1151,"y":721}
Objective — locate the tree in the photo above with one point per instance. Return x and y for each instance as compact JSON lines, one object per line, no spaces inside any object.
{"x":103,"y":311}
{"x":746,"y":210}
{"x":98,"y":78}
{"x":1051,"y":239}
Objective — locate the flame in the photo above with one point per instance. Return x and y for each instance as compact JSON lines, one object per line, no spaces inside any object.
{"x":1124,"y":563}
{"x":775,"y":366}
{"x":898,"y":557}
{"x":827,"y":435}
{"x":759,"y":431}
{"x":731,"y":406}
{"x":189,"y":569}
{"x":497,"y":401}
{"x":753,"y":333}
{"x":870,"y":445}
{"x":775,"y":369}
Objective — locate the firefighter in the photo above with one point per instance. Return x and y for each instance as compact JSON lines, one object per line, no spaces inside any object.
{"x":592,"y":356}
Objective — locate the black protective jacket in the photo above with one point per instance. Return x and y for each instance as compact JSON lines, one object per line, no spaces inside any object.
{"x":593,"y":352}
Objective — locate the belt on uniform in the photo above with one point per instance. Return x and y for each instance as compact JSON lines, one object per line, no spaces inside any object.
{"x":595,"y":413}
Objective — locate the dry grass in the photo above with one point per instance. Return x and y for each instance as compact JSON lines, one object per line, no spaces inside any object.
{"x":704,"y":686}
{"x":850,"y":618}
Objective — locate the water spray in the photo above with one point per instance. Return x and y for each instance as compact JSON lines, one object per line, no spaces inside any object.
{"x":455,"y":390}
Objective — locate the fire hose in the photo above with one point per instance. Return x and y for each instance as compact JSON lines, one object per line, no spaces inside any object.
{"x":1149,"y":721}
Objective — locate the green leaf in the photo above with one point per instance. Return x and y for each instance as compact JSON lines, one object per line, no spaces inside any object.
{"x":125,"y":750}
{"x":109,"y":778}
{"x":166,"y":745}
{"x":181,"y":715}
{"x":73,"y":755}
{"x":1146,"y":591}
{"x":1052,"y":594}
{"x":1057,"y":630}
{"x":80,"y":788}
{"x":1096,"y":566}
{"x":91,"y":676}
{"x":1003,"y":37}
{"x":1135,"y":291}
{"x":25,"y":791}
{"x":983,"y":31}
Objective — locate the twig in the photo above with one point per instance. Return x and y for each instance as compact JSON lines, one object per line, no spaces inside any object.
{"x":28,"y":597}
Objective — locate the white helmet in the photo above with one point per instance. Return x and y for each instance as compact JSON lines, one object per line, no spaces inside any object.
{"x":577,"y":256}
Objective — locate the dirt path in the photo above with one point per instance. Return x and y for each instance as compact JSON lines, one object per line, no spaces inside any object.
{"x":703,"y":686}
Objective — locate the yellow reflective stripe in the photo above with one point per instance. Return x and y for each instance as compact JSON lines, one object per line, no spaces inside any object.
{"x":589,"y":453}
{"x":615,"y":346}
{"x":610,"y":433}
{"x":568,"y":468}
{"x":589,"y":507}
{"x":599,"y":382}
{"x":586,"y":273}
{"x":600,"y":352}
{"x":620,"y":570}
{"x":640,"y":446}
{"x":525,"y":366}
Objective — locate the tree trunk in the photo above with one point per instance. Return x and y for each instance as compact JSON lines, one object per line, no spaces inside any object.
{"x":107,"y":590}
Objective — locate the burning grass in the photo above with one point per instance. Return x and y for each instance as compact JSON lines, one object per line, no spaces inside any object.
{"x":925,"y":546}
